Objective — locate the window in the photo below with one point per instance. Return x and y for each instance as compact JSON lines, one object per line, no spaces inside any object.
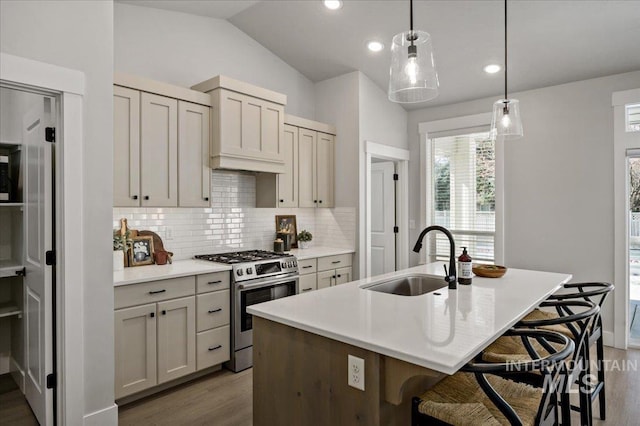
{"x":463,"y":179}
{"x":632,"y":113}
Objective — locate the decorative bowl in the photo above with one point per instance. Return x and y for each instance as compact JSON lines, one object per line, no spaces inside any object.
{"x":488,"y":271}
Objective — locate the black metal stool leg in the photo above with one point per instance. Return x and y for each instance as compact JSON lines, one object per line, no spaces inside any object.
{"x":601,"y":387}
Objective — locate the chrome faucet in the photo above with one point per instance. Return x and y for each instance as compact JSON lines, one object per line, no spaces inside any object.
{"x":450,"y":275}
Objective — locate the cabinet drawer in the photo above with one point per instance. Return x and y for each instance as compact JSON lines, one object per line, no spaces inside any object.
{"x":307,"y":266}
{"x":213,"y":347}
{"x":213,"y":281}
{"x":213,"y":310}
{"x":154,"y":291}
{"x":307,"y":283}
{"x":334,"y":262}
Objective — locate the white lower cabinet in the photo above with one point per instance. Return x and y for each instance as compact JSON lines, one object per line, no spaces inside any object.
{"x":307,"y":283}
{"x":331,"y":271}
{"x":172,"y":332}
{"x":135,"y":349}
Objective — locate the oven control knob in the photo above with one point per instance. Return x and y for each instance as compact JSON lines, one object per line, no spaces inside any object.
{"x":295,"y":263}
{"x":249,"y":271}
{"x":290,"y":264}
{"x":239,"y":272}
{"x":284,"y":264}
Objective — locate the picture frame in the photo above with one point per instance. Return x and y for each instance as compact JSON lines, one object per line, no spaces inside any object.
{"x":141,"y":251}
{"x":286,"y":224}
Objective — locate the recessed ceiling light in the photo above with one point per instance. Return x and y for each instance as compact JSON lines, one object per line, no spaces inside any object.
{"x":492,"y":68}
{"x":332,"y":4}
{"x":375,"y":46}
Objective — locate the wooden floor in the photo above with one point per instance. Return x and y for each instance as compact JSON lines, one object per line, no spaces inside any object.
{"x":225,"y":399}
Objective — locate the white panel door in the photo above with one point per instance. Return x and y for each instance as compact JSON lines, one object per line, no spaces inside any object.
{"x":383,"y":201}
{"x":159,"y":151}
{"x":307,"y":196}
{"x":194,"y":174}
{"x":126,"y":147}
{"x":38,"y":279}
{"x":176,"y":338}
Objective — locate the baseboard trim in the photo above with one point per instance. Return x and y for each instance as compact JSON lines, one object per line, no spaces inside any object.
{"x":608,"y":338}
{"x":105,"y":417}
{"x":17,"y":373}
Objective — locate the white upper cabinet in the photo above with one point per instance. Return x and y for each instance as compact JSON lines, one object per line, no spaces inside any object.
{"x":126,"y":147}
{"x":288,"y":181}
{"x":307,"y":142}
{"x":161,"y":144}
{"x":194,"y":174}
{"x":159,"y":150}
{"x":247,"y":126}
{"x":325,"y":170}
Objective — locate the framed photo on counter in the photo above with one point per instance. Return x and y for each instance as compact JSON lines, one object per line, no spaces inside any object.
{"x":286,"y":224}
{"x":141,"y":251}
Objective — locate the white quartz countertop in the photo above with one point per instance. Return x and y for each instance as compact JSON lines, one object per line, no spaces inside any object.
{"x":179,"y":268}
{"x":441,"y":330}
{"x":313,"y":252}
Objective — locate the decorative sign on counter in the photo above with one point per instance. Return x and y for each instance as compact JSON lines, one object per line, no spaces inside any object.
{"x":141,"y":252}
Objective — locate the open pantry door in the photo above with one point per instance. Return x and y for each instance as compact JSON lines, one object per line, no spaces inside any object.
{"x":37,"y":242}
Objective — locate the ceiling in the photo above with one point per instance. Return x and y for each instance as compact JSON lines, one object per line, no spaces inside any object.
{"x":550,"y":42}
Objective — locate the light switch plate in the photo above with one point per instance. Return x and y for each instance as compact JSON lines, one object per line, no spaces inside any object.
{"x":356,"y":372}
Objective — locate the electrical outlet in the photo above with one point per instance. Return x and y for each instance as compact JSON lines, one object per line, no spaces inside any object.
{"x":356,"y":372}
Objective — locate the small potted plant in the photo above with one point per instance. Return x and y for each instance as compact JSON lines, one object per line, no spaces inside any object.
{"x":304,"y":237}
{"x":121,"y":244}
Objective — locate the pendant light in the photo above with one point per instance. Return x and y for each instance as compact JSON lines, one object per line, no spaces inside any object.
{"x":506,"y":122}
{"x":412,"y":75}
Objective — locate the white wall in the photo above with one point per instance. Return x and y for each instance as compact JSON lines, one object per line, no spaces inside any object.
{"x":79,"y":35}
{"x":558,"y":178}
{"x":185,"y":49}
{"x":381,"y":120}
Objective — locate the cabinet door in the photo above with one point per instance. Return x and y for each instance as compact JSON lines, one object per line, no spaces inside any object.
{"x":343,"y":275}
{"x":307,"y":283}
{"x":272,"y":131}
{"x":176,"y":338}
{"x":307,"y":168}
{"x":325,"y":170}
{"x":135,"y":349}
{"x":159,"y":151}
{"x":288,"y":181}
{"x":326,"y":279}
{"x":126,"y":147}
{"x":194,"y":174}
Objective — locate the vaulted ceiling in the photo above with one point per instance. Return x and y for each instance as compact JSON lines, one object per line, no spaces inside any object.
{"x":550,"y":42}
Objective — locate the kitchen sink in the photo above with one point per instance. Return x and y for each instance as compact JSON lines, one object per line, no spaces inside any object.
{"x":411,"y":285}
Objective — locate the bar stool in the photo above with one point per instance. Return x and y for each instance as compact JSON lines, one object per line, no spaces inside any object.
{"x":595,"y":292}
{"x":574,"y":319}
{"x":481,"y":393}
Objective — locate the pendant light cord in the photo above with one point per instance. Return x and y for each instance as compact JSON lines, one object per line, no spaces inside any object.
{"x":505,"y":50}
{"x":412,"y":36}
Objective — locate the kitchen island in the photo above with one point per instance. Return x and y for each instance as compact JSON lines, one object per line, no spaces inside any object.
{"x":408,"y":343}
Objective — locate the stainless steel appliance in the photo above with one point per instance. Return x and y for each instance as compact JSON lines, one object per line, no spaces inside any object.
{"x":257,"y":276}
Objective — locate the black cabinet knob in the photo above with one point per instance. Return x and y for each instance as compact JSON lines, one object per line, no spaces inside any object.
{"x":282,"y":201}
{"x":135,"y":197}
{"x":152,"y":314}
{"x":146,"y":197}
{"x":164,"y":312}
{"x":206,"y":198}
{"x":315,"y":201}
{"x":320,"y":201}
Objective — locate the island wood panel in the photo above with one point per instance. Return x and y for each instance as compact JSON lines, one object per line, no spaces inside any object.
{"x":301,"y":379}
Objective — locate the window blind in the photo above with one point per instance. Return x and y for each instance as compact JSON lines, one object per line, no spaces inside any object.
{"x":633,"y":118}
{"x":463,"y":193}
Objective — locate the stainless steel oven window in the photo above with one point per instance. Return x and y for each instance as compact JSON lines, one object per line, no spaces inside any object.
{"x":253,"y":296}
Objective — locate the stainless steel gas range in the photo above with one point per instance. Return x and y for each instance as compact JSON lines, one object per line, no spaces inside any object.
{"x":257,"y":276}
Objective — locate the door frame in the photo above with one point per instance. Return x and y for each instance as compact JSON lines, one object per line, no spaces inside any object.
{"x":69,"y":85}
{"x":401,"y":158}
{"x":621,"y":225}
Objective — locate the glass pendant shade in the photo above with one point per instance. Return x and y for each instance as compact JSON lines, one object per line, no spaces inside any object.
{"x":412,"y":75}
{"x":506,"y":122}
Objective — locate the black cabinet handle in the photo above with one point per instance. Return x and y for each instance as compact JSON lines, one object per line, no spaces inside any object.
{"x":157,"y":291}
{"x":315,"y":201}
{"x":152,"y":314}
{"x":336,"y":261}
{"x":206,"y":198}
{"x":164,"y":312}
{"x":214,"y":282}
{"x":334,"y":277}
{"x":339,"y":276}
{"x":282,"y":201}
{"x":213,"y":311}
{"x":135,"y":197}
{"x":308,"y":266}
{"x":213,"y":348}
{"x":146,"y":197}
{"x":307,"y":289}
{"x":320,"y":201}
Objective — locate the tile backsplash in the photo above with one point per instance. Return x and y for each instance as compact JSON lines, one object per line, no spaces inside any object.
{"x":233,"y":222}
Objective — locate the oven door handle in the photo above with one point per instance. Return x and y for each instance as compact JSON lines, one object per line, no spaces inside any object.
{"x":267,"y":284}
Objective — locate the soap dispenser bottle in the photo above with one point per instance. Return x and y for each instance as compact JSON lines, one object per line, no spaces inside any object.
{"x":464,"y":268}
